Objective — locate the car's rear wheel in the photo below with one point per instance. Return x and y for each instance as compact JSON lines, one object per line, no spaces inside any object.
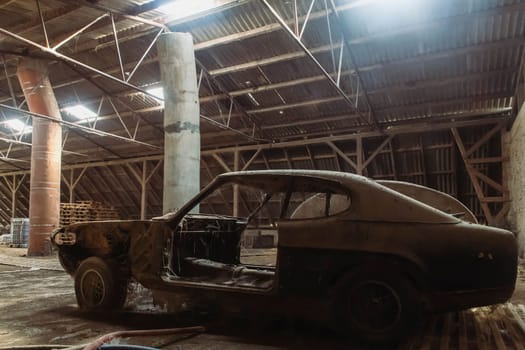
{"x":99,"y":285}
{"x":378,"y":306}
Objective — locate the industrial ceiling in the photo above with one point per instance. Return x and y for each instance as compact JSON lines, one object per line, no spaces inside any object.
{"x":402,"y":89}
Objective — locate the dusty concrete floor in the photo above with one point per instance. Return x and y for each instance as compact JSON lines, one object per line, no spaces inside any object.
{"x":37,"y":306}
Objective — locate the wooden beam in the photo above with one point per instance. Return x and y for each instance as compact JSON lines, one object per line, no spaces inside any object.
{"x":211,"y":176}
{"x":337,"y":161}
{"x":488,"y":180}
{"x":143,"y":179}
{"x":485,"y":160}
{"x":495,"y":199}
{"x":484,"y":139}
{"x":359,"y":155}
{"x":326,"y":48}
{"x":296,"y":105}
{"x":342,"y":154}
{"x":473,"y":179}
{"x":124,"y":192}
{"x":266,"y":162}
{"x":288,"y":161}
{"x":503,"y":212}
{"x":5,"y":210}
{"x":393,"y":159}
{"x":454,"y":166}
{"x":394,"y":130}
{"x":236,"y":192}
{"x":221,"y":162}
{"x":310,"y":155}
{"x":377,"y":150}
{"x":423,"y":165}
{"x":252,"y":158}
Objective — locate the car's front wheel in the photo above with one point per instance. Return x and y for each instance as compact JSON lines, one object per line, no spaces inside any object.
{"x":377,"y":306}
{"x":99,"y":285}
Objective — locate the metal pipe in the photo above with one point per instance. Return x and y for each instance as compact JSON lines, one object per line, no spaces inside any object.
{"x":118,"y":47}
{"x":306,"y":19}
{"x":313,"y":59}
{"x":72,"y":60}
{"x":296,"y":18}
{"x":46,"y":150}
{"x":121,"y":14}
{"x":9,"y":85}
{"x":95,"y":345}
{"x":144,"y":55}
{"x":42,"y":22}
{"x":238,"y":132}
{"x":353,"y":60}
{"x":81,"y":30}
{"x":329,"y":27}
{"x":338,"y":81}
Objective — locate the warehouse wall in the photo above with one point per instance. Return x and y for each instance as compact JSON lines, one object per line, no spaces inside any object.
{"x":516,"y":179}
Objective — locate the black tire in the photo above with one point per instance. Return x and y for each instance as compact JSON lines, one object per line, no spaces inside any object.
{"x":99,"y":285}
{"x":378,"y":306}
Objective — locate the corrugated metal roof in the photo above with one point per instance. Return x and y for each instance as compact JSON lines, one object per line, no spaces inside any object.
{"x":449,"y":60}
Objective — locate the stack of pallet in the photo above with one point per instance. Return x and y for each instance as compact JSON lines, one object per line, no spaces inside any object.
{"x":86,"y":211}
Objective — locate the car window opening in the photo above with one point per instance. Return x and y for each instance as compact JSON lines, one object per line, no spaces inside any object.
{"x":207,"y":246}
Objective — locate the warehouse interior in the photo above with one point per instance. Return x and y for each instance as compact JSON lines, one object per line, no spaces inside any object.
{"x":429,"y":92}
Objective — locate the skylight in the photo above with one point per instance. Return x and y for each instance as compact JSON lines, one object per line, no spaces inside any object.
{"x":157,"y":91}
{"x":186,"y":8}
{"x":17,"y":125}
{"x":80,"y":112}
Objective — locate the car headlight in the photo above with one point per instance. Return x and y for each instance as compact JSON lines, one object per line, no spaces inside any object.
{"x":65,"y":238}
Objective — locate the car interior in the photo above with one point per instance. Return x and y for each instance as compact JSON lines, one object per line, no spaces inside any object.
{"x":206,"y":247}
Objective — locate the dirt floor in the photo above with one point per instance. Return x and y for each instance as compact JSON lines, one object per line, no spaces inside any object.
{"x":37,"y":306}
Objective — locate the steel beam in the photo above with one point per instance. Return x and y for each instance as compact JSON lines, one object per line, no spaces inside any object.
{"x":80,"y":31}
{"x":414,"y":128}
{"x":291,"y":34}
{"x":66,"y":58}
{"x":402,"y":129}
{"x":118,"y":13}
{"x":79,"y":127}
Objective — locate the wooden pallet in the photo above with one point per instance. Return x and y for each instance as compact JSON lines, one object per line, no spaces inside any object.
{"x":86,"y":211}
{"x":498,"y":327}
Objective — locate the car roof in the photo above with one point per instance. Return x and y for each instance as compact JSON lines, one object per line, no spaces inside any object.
{"x":372,"y":201}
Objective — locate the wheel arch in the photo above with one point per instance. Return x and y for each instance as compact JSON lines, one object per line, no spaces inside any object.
{"x":106,"y":240}
{"x":395,"y":263}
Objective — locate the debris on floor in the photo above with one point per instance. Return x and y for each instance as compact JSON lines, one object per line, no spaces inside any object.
{"x":37,"y":306}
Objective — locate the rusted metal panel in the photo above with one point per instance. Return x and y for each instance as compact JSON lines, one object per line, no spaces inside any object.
{"x":338,"y":233}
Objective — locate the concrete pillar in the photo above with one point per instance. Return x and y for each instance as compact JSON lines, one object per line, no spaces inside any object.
{"x":44,"y":197}
{"x":181,"y":119}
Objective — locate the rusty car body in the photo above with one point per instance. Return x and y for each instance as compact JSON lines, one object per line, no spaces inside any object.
{"x":370,"y":256}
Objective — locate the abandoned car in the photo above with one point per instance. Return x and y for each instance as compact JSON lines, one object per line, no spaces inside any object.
{"x":367,"y":255}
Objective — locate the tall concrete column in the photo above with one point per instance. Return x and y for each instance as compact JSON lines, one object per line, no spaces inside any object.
{"x":181,"y":119}
{"x":44,"y":197}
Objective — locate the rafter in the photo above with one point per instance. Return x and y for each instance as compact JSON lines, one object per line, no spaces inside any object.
{"x":352,"y":103}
